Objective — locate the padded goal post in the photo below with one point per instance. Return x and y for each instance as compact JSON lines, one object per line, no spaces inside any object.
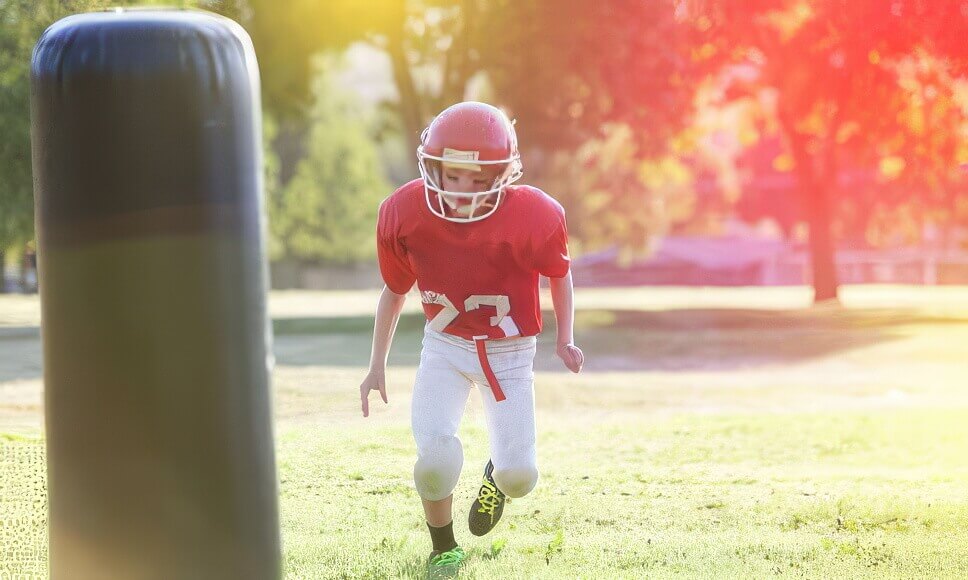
{"x":146,"y":129}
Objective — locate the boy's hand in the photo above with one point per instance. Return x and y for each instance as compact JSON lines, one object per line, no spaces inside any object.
{"x":572,"y":356}
{"x":375,"y":380}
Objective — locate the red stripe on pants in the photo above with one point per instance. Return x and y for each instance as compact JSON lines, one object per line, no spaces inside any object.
{"x":486,"y":366}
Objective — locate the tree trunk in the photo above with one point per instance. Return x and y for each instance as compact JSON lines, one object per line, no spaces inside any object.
{"x":457,"y":61}
{"x":409,"y":102}
{"x":815,"y":185}
{"x":825,"y":285}
{"x":3,"y":272}
{"x":290,"y":146}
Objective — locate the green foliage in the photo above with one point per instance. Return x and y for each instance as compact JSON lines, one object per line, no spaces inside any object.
{"x":19,"y":28}
{"x":327,"y":211}
{"x":21,"y":24}
{"x":876,"y":87}
{"x":586,"y":64}
{"x":496,"y":547}
{"x":833,"y":76}
{"x":288,"y":35}
{"x":554,"y":546}
{"x":271,"y":181}
{"x":615,"y":197}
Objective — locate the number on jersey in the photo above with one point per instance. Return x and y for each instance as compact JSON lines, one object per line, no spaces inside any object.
{"x":502,"y":304}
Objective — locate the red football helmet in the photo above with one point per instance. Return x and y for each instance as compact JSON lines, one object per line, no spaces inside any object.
{"x":468,"y":135}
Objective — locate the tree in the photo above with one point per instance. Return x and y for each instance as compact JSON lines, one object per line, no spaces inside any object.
{"x":287,"y":37}
{"x":327,"y":211}
{"x":21,"y":24}
{"x":573,"y":73}
{"x":834,"y":70}
{"x":563,"y":68}
{"x":15,"y":185}
{"x":625,"y":200}
{"x":602,"y":92}
{"x":566,"y":68}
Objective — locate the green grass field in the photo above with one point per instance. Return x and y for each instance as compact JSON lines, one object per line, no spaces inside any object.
{"x":734,"y":433}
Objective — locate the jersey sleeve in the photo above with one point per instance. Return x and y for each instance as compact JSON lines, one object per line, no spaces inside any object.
{"x":550,"y":248}
{"x":394,"y":265}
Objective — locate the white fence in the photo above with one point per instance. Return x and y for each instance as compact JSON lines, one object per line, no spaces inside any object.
{"x":789,"y":268}
{"x":785,"y":268}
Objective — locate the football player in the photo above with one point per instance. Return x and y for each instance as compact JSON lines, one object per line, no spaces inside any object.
{"x":475,"y":245}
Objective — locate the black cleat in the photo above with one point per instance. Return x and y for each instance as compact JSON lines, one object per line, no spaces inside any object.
{"x":487,"y":508}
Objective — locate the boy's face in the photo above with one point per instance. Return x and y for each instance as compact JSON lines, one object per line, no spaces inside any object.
{"x":466,"y":180}
{"x":469,"y":180}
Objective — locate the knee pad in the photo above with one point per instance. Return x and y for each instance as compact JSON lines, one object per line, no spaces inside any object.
{"x":516,"y":481}
{"x":439,"y":462}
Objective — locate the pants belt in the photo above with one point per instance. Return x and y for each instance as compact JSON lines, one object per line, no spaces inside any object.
{"x":488,"y":372}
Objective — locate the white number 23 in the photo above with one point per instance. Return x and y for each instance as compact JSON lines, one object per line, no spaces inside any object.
{"x":443,"y":318}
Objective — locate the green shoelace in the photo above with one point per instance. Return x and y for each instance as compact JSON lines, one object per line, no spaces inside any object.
{"x":450,"y":557}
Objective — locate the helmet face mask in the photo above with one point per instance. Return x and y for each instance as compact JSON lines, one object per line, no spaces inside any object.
{"x":471,"y":136}
{"x":461,"y":206}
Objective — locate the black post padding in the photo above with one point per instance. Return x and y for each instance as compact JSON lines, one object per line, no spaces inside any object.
{"x":147,"y":159}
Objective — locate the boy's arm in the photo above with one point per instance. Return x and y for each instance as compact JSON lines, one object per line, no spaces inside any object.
{"x":563,"y":298}
{"x":387,"y":315}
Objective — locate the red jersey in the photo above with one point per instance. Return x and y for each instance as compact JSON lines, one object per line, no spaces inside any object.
{"x":476,"y":279}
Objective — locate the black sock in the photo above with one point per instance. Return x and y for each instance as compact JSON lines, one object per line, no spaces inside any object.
{"x":443,"y":537}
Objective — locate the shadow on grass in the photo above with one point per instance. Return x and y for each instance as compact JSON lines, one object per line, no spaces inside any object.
{"x":613,"y":340}
{"x":20,"y":353}
{"x":629,"y":340}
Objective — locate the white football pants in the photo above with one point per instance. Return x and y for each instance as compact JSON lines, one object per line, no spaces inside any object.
{"x":449,"y":367}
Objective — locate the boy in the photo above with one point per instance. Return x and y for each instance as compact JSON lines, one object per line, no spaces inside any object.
{"x":475,"y":245}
